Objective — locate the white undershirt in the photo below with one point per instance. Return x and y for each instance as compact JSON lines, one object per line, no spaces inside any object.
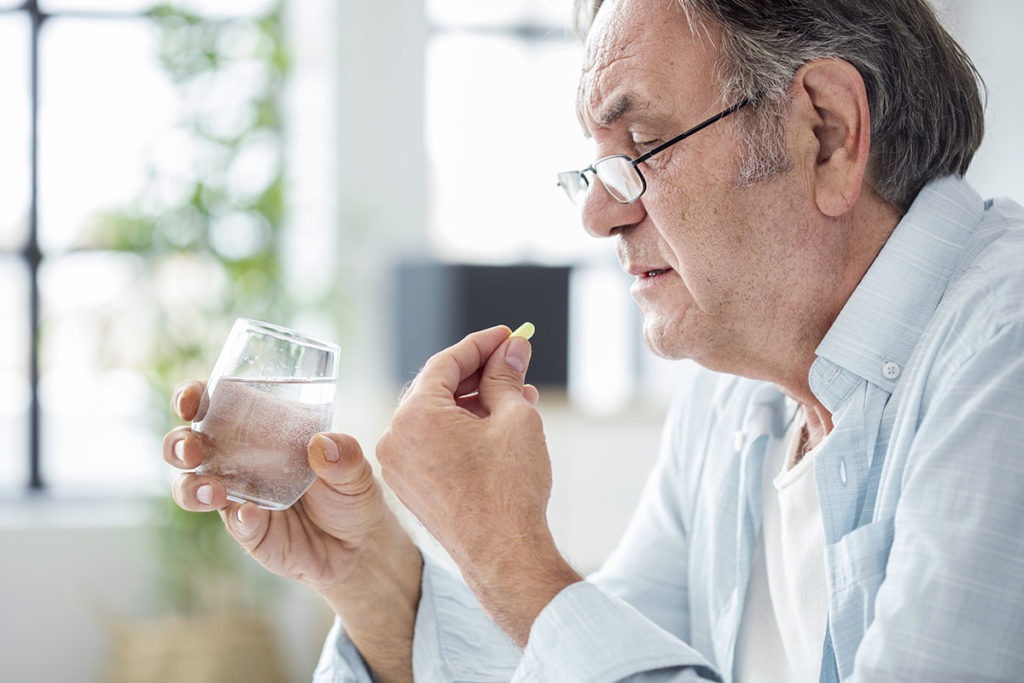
{"x":783,"y":625}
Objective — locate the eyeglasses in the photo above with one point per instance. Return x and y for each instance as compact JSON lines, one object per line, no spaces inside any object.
{"x":621,"y":175}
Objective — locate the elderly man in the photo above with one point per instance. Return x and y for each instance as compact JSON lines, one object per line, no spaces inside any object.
{"x":838,"y":494}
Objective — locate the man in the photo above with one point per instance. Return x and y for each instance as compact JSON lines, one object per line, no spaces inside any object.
{"x":844,"y":504}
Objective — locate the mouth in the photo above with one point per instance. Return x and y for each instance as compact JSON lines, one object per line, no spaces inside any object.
{"x":645,"y":274}
{"x":648,"y":279}
{"x":648,"y":274}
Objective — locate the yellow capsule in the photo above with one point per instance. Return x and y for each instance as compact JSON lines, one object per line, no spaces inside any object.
{"x":525,"y":331}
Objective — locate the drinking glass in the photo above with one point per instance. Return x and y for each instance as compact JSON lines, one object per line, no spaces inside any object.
{"x":271,"y":390}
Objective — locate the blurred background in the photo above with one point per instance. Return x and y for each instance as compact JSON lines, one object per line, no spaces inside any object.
{"x":379,"y":174}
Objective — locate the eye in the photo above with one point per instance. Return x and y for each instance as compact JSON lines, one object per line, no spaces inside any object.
{"x":643,"y":144}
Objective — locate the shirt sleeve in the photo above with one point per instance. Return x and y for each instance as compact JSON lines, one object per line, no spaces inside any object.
{"x":454,"y":639}
{"x":340,"y":661}
{"x":629,"y":622}
{"x":649,"y":566}
{"x":587,"y":635}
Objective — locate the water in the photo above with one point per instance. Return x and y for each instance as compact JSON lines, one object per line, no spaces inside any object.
{"x":255,"y":433}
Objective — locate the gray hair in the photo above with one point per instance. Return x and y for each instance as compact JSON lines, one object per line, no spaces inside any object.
{"x":924,"y":93}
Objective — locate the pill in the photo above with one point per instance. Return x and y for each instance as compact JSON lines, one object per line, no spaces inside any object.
{"x":525,"y":331}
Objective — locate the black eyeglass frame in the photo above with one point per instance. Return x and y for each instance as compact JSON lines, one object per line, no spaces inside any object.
{"x":646,"y":155}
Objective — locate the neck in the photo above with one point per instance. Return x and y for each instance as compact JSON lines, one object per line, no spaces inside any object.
{"x":836,"y":267}
{"x":818,"y":423}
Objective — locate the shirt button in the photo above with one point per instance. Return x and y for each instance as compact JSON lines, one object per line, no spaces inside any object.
{"x":890,"y":370}
{"x":842,"y":471}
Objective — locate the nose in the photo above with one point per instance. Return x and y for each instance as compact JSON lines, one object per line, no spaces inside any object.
{"x":604,"y":217}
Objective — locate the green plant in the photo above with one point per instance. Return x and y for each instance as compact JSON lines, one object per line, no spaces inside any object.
{"x":207,"y":233}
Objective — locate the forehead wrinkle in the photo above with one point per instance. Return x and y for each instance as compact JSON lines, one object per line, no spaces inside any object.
{"x":619,"y":78}
{"x":590,"y":100}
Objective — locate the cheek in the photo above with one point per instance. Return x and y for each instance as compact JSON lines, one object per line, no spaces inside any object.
{"x":696,"y":242}
{"x":710,"y":227}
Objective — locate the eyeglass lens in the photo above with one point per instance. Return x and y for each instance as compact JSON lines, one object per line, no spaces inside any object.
{"x":620,"y":177}
{"x":575,"y":184}
{"x":617,"y":173}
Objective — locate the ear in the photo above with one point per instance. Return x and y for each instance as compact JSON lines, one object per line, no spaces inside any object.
{"x":838,"y":119}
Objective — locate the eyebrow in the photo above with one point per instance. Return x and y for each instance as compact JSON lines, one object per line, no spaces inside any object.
{"x":619,"y":107}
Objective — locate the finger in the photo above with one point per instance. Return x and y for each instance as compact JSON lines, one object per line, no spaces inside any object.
{"x":247,"y":523}
{"x":346,"y":500}
{"x":186,"y":397}
{"x":502,"y":377}
{"x":466,"y":387}
{"x":197,"y":493}
{"x":182,"y":449}
{"x":447,"y":370}
{"x":338,"y":461}
{"x":471,"y":403}
{"x":469,"y":385}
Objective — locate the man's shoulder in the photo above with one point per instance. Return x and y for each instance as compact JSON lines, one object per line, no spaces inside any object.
{"x":980,"y":315}
{"x":988,"y":289}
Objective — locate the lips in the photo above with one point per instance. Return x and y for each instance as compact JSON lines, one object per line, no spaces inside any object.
{"x":648,"y":280}
{"x":646,"y":272}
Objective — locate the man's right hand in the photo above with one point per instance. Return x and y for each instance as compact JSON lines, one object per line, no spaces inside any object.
{"x":340,"y":538}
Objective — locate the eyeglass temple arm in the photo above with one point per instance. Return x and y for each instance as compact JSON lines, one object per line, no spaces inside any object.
{"x":696,"y":129}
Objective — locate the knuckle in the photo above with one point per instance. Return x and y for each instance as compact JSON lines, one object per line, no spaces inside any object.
{"x":407,"y":389}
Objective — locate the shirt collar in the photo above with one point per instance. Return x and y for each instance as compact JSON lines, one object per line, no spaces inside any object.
{"x":877,"y":329}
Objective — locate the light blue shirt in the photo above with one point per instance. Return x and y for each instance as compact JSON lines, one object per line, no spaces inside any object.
{"x":921,"y":485}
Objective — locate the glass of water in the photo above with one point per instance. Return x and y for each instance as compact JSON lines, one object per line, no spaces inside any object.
{"x":271,"y":390}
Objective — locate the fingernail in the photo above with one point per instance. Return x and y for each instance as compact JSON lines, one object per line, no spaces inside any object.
{"x":179,"y":450}
{"x":204,"y":494}
{"x":179,"y":399}
{"x":328,"y":448}
{"x":518,"y":353}
{"x":243,"y":524}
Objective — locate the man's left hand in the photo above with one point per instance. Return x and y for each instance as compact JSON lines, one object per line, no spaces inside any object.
{"x":466,"y":454}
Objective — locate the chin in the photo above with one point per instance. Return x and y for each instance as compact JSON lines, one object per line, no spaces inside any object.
{"x":664,"y":340}
{"x":667,"y":339}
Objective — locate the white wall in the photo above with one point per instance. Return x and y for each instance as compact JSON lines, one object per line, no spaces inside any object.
{"x":990,"y":32}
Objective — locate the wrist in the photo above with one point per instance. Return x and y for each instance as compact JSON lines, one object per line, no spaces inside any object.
{"x":388,"y":566}
{"x":378,"y":599}
{"x":515,"y":586}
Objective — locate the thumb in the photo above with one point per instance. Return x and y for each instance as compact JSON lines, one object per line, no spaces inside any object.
{"x":345,"y":501}
{"x":337,"y":459}
{"x":503,"y":375}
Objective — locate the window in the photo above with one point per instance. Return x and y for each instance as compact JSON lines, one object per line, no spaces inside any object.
{"x":14,"y":273}
{"x":88,"y":113}
{"x":501,"y":121}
